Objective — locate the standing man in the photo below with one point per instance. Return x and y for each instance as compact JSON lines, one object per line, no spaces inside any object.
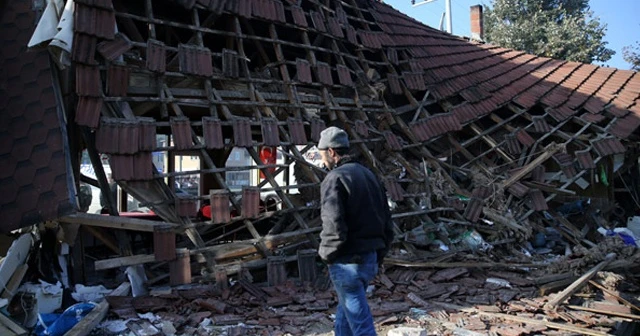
{"x":356,"y":231}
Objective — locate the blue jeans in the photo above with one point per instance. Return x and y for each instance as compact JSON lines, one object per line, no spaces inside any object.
{"x":350,"y":276}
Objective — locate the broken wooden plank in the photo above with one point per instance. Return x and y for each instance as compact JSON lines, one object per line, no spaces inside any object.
{"x":605,"y":312}
{"x":579,"y":283}
{"x":526,"y":320}
{"x":614,"y":294}
{"x":115,"y":222}
{"x":549,"y":151}
{"x":99,"y":312}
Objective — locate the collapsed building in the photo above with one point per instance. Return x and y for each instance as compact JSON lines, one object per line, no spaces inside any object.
{"x":481,"y":149}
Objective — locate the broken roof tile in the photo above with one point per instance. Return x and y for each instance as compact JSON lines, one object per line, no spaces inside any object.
{"x":537,"y":174}
{"x":473,"y":210}
{"x":117,"y":80}
{"x":111,"y":50}
{"x":88,"y":111}
{"x":524,"y":138}
{"x":518,"y":190}
{"x":317,"y":126}
{"x":212,"y":133}
{"x":512,"y":144}
{"x":242,"y":8}
{"x":303,"y":71}
{"x":392,"y":140}
{"x":95,"y":21}
{"x":324,"y":73}
{"x":265,"y":9}
{"x":395,"y":191}
{"x":538,"y":202}
{"x":392,"y":55}
{"x":481,"y":192}
{"x":296,"y":131}
{"x":585,"y":160}
{"x":242,"y":132}
{"x":270,"y":134}
{"x":156,"y":56}
{"x":250,"y":202}
{"x":540,"y":125}
{"x":361,"y":128}
{"x":220,"y":206}
{"x":181,"y":132}
{"x":195,"y":60}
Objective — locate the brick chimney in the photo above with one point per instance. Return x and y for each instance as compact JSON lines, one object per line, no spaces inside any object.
{"x":477,"y":30}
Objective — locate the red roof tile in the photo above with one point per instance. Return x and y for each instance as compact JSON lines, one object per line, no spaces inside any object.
{"x":147,"y":140}
{"x":414,"y":81}
{"x":392,"y":141}
{"x":250,"y":202}
{"x":181,"y":132}
{"x":212,"y":132}
{"x":303,"y":71}
{"x":117,"y":80}
{"x":270,"y":132}
{"x":299,"y":16}
{"x":156,"y":56}
{"x":395,"y":191}
{"x":220,"y":207}
{"x":318,"y":21}
{"x":538,"y":202}
{"x":518,"y":190}
{"x":334,"y":27}
{"x":296,"y":131}
{"x":473,"y":210}
{"x":143,"y":166}
{"x":324,"y":73}
{"x":242,"y":133}
{"x":394,"y":84}
{"x":88,"y":111}
{"x":122,"y":167}
{"x":88,"y":81}
{"x":585,"y":160}
{"x":195,"y":60}
{"x":84,"y":49}
{"x":230,"y":63}
{"x":111,"y":50}
{"x":344,"y":76}
{"x":317,"y":126}
{"x":95,"y":21}
{"x":351,"y":34}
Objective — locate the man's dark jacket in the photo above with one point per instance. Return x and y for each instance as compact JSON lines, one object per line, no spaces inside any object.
{"x":355,"y":214}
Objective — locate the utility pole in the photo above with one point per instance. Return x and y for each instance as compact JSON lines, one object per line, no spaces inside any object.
{"x":447,"y":12}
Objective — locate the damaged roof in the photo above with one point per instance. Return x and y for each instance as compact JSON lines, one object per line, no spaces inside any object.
{"x":408,"y":95}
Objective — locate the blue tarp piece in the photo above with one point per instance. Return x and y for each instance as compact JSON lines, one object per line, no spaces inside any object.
{"x":59,"y":324}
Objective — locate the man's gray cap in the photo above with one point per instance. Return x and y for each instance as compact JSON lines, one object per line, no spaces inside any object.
{"x":333,"y":137}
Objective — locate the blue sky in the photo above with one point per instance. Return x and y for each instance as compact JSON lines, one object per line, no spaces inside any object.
{"x":621,"y":16}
